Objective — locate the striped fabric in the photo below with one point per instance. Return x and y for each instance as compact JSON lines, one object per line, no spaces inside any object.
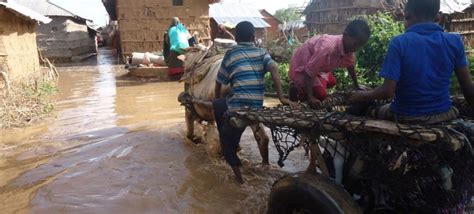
{"x":244,"y":68}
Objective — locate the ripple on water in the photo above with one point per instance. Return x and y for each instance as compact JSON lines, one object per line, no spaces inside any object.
{"x":116,"y":145}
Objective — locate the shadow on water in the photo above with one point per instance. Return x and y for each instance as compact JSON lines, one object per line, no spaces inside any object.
{"x":116,"y":145}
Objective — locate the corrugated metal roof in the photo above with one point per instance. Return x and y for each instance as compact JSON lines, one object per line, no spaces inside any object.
{"x":235,"y":13}
{"x":294,"y":25}
{"x":257,"y":22}
{"x":19,"y":9}
{"x":47,"y":8}
{"x":453,"y":6}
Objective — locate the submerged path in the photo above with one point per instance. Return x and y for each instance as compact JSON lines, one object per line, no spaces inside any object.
{"x":115,"y":145}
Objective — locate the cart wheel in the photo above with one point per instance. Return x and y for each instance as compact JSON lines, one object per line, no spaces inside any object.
{"x":310,"y":193}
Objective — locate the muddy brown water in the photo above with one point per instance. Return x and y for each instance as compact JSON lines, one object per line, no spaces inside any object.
{"x":116,"y":145}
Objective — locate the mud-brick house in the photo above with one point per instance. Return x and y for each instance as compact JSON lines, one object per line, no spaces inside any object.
{"x":143,"y":23}
{"x":232,"y":14}
{"x":331,"y":16}
{"x":19,"y":60}
{"x":67,"y":38}
{"x":273,"y":32}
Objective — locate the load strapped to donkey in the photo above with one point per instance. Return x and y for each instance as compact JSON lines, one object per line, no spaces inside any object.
{"x":386,"y":166}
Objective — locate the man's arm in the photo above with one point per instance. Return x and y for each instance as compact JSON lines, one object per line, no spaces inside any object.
{"x":229,"y":34}
{"x":273,"y":68}
{"x":391,"y":72}
{"x":308,"y":89}
{"x":467,"y":88}
{"x":353,"y":74}
{"x":222,"y":77}
{"x":217,"y":90}
{"x":387,"y":90}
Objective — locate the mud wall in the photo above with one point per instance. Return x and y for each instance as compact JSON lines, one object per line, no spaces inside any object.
{"x":18,"y":50}
{"x":142,"y":23}
{"x":64,"y":38}
{"x":273,"y":31}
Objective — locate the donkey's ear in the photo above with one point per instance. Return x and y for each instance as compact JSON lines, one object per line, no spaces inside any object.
{"x":182,"y":57}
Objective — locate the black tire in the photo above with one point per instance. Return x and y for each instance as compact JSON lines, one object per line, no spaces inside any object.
{"x":310,"y":193}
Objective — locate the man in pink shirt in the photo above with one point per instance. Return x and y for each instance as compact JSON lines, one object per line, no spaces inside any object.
{"x":312,"y":64}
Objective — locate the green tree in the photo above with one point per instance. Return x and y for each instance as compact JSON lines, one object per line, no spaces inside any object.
{"x":288,"y":14}
{"x":384,"y":28}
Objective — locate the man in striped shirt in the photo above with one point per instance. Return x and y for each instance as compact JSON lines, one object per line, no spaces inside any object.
{"x":243,"y":68}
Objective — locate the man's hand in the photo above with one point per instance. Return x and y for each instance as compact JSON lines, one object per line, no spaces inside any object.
{"x":217,"y":90}
{"x":467,"y":87}
{"x":386,"y":91}
{"x":358,"y":97}
{"x":314,"y":103}
{"x":363,"y":88}
{"x":293,"y":105}
{"x":353,"y":75}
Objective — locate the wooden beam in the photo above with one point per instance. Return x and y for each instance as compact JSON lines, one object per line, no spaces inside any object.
{"x":462,"y":20}
{"x":466,"y":32}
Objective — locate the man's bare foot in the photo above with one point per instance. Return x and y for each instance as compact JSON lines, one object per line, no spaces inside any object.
{"x":263,"y":166}
{"x":193,"y":140}
{"x":311,"y":169}
{"x":239,"y":180}
{"x":263,"y":149}
{"x":188,"y":140}
{"x":238,"y":174}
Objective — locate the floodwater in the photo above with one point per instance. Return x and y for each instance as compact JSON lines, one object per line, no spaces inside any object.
{"x":116,"y":145}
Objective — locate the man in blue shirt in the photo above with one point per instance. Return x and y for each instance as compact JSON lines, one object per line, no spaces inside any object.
{"x":243,"y":68}
{"x":418,"y":69}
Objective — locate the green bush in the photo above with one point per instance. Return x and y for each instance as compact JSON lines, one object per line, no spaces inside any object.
{"x":284,"y":69}
{"x":282,"y":51}
{"x":371,"y":57}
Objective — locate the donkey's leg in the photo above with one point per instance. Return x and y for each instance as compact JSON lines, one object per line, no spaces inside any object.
{"x":262,"y":141}
{"x":189,"y":126}
{"x":312,"y":154}
{"x":212,"y":139}
{"x":316,"y":155}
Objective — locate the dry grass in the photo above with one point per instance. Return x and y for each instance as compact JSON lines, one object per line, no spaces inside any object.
{"x":23,"y":105}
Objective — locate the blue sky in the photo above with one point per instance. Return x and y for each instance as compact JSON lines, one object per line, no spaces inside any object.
{"x":94,"y":10}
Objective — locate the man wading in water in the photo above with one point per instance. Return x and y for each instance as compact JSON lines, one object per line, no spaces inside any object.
{"x":244,"y":68}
